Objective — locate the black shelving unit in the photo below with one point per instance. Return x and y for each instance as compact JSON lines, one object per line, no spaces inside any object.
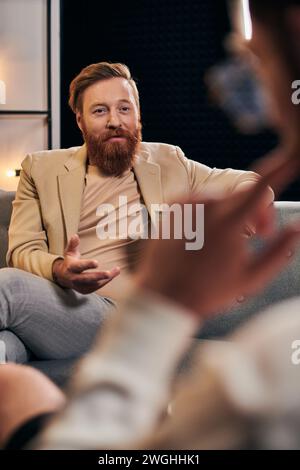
{"x":48,"y":112}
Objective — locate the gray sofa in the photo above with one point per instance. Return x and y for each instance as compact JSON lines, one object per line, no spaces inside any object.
{"x":286,"y":285}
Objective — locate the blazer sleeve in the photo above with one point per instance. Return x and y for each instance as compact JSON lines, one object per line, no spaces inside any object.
{"x":203,"y":178}
{"x":205,"y":181}
{"x":27,"y":238}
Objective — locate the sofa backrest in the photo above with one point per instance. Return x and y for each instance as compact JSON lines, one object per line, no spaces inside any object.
{"x":6,"y":198}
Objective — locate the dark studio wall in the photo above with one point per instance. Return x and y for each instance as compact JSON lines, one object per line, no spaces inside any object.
{"x":168,"y":45}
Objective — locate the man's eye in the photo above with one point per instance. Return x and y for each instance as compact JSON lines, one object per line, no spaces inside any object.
{"x":99,"y":111}
{"x":125,"y":109}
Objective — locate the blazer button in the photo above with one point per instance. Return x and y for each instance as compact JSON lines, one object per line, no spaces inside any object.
{"x":241,"y":299}
{"x":289,"y":254}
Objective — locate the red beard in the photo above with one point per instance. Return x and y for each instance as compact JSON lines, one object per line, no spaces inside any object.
{"x":112,"y":158}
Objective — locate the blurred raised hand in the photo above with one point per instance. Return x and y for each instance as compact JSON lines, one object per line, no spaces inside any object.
{"x":207,"y":280}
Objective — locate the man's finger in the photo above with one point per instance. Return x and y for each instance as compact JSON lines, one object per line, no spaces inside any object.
{"x":114,"y":272}
{"x":86,"y":278}
{"x":106,"y":281}
{"x":79,"y":266}
{"x":72,"y":248}
{"x":96,"y":276}
{"x":103,"y":283}
{"x":87,"y":288}
{"x":266,"y":222}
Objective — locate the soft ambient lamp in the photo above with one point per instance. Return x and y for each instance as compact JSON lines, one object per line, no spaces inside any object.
{"x":2,"y":92}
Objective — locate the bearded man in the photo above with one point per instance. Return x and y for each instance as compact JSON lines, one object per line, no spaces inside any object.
{"x":63,"y":277}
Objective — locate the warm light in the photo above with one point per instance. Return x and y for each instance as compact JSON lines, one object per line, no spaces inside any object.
{"x":11,"y":173}
{"x":2,"y":92}
{"x":247,"y":20}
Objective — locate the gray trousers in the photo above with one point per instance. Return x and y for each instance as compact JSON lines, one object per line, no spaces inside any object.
{"x":39,"y":318}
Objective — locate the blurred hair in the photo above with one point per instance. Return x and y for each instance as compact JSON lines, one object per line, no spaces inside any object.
{"x":273,"y":14}
{"x":267,"y":10}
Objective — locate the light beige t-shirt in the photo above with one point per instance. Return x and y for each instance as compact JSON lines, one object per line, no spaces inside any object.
{"x":111,"y":210}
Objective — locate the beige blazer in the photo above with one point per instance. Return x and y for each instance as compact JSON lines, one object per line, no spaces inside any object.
{"x":47,"y":206}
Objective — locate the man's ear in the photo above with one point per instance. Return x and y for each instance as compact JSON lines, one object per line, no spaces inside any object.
{"x":79,"y":120}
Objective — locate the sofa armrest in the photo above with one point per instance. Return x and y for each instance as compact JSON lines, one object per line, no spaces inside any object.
{"x":6,"y":198}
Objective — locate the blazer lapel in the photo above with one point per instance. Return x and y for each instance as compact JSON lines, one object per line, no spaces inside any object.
{"x":149,"y":179}
{"x":71,"y":186}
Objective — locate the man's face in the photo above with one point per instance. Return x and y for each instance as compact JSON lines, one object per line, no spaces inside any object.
{"x":110,"y":125}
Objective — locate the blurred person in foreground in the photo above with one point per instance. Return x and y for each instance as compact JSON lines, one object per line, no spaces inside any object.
{"x":243,"y":393}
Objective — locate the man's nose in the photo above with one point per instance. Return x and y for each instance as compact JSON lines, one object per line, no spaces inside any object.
{"x":113,"y":121}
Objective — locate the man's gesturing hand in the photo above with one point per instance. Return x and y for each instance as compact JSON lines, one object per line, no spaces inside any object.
{"x":71,"y":271}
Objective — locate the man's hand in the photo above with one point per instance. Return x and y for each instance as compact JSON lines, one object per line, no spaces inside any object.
{"x":72,"y":271}
{"x":263,"y":219}
{"x":208,"y":280}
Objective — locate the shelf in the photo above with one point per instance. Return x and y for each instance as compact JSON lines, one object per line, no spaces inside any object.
{"x":31,"y":112}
